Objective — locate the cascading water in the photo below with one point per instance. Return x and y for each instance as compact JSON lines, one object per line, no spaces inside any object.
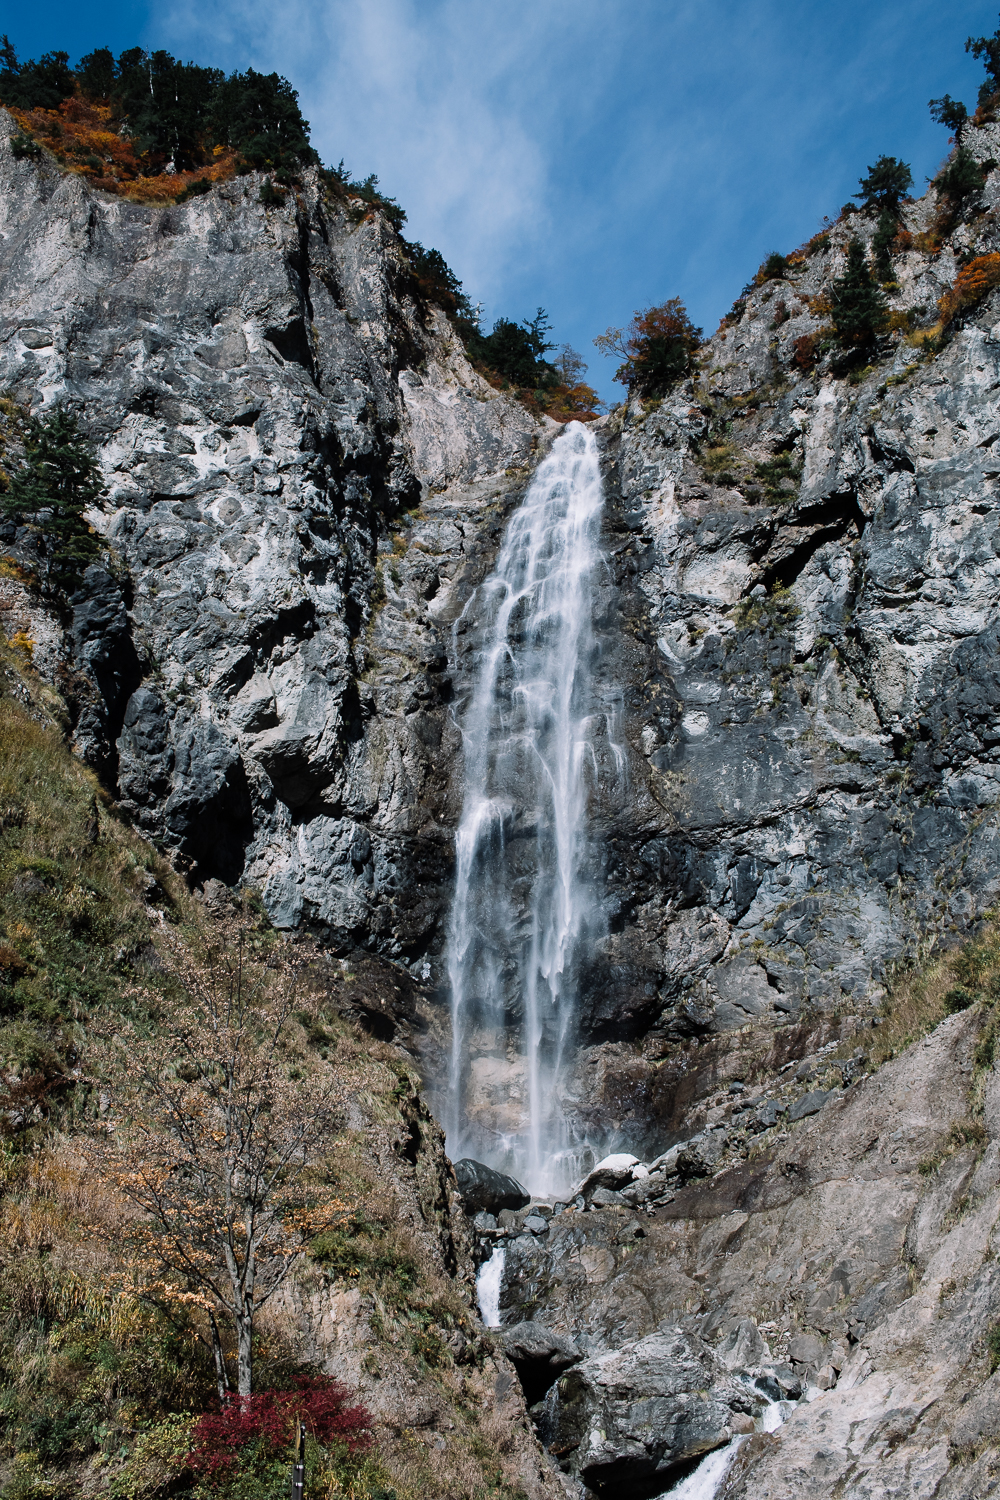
{"x":524,"y":914}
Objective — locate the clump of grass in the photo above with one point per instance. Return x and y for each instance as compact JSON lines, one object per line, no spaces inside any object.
{"x":779,"y":477}
{"x":992,"y":1342}
{"x":968,"y":1132}
{"x":914,"y":1004}
{"x":775,"y":613}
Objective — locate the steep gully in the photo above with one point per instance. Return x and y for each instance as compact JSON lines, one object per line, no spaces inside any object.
{"x":306,"y":487}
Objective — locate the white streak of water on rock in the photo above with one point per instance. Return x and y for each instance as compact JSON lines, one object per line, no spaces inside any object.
{"x":703,"y":1483}
{"x":488,"y":1284}
{"x":524,"y":912}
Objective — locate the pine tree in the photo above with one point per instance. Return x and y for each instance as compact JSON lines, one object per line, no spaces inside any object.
{"x":34,"y":85}
{"x":60,"y":479}
{"x":859,"y":309}
{"x":886,"y":184}
{"x":963,"y":175}
{"x":951,"y":113}
{"x":987,"y":49}
{"x":259,"y":115}
{"x":888,"y":228}
{"x":515,"y":350}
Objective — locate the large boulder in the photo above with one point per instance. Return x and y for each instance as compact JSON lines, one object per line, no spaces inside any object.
{"x":622,"y":1422}
{"x":482,"y":1189}
{"x":539,"y":1356}
{"x":612,"y":1173}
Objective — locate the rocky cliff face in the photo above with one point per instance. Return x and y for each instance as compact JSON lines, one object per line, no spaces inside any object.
{"x":306,"y":481}
{"x":808,"y":582}
{"x":298,"y":460}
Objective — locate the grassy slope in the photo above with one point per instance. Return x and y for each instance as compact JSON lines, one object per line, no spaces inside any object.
{"x":96,"y":1386}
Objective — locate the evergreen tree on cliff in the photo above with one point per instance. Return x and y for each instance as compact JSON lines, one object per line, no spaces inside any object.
{"x":887,"y":183}
{"x":59,"y":480}
{"x":987,"y":49}
{"x":859,"y":309}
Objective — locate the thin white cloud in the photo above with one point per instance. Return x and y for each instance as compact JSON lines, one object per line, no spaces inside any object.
{"x":601,"y":155}
{"x":454,"y":104}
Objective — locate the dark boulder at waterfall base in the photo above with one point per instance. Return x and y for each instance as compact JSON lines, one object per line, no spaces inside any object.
{"x":481,"y":1188}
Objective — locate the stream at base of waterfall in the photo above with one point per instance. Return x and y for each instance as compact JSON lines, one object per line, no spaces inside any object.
{"x":526,"y":912}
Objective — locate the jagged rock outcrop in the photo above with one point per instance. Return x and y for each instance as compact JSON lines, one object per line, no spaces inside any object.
{"x":624,"y":1421}
{"x":298,"y":460}
{"x":851,"y":1259}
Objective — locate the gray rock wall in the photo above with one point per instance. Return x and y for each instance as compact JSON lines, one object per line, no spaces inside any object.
{"x":808,"y":579}
{"x":298,"y":461}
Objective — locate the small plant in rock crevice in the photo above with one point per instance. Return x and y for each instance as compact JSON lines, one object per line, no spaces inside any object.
{"x":775,"y":612}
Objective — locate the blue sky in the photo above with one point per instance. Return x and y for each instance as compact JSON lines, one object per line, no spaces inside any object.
{"x":590,"y":157}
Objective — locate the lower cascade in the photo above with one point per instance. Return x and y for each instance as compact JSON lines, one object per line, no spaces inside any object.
{"x":524,"y":913}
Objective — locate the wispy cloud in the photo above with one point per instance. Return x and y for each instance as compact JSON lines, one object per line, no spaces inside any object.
{"x":599,"y":155}
{"x":454,"y":104}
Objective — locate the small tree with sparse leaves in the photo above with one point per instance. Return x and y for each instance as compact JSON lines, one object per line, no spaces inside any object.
{"x":211,"y":1130}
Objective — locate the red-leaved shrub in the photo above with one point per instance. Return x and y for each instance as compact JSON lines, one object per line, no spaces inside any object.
{"x":220,"y":1437}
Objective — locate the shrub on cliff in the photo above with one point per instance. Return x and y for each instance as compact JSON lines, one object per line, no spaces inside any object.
{"x":656,"y":348}
{"x":436,"y":282}
{"x":974,"y":282}
{"x":859,"y":309}
{"x":774,"y":268}
{"x":251,"y":1436}
{"x":59,"y":480}
{"x":962,"y":175}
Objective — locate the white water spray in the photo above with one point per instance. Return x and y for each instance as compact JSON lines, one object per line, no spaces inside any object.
{"x":524,"y":915}
{"x":489,"y":1284}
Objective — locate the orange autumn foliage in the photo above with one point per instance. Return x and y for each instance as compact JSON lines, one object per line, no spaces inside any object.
{"x":971,"y":285}
{"x":81,"y":136}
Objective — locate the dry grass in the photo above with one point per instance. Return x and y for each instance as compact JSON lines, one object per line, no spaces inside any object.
{"x":919,"y":998}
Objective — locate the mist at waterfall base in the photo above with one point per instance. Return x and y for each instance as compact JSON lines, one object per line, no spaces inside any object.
{"x":526,"y":914}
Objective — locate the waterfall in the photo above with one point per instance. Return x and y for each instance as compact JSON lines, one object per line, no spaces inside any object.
{"x":524,"y":914}
{"x":489,"y":1285}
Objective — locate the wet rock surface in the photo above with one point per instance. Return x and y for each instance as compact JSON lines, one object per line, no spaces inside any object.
{"x":482,"y":1190}
{"x":622,"y":1422}
{"x":847,"y":1266}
